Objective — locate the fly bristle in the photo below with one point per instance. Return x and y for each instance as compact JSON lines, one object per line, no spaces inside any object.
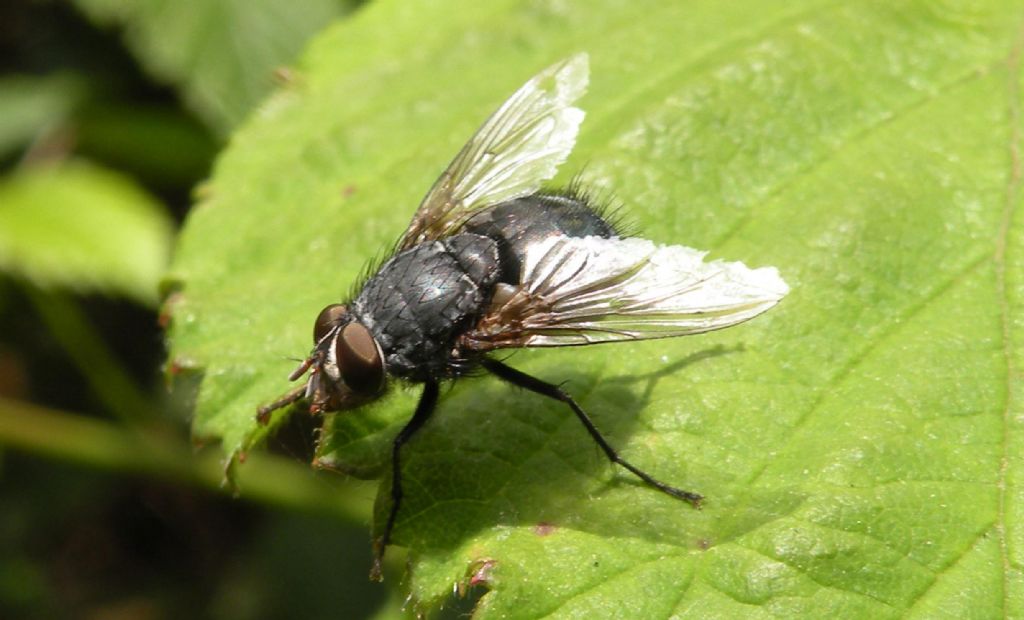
{"x":602,"y":202}
{"x":370,"y":268}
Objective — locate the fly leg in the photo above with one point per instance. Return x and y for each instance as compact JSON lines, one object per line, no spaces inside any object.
{"x":523,"y":380}
{"x":426,"y":406}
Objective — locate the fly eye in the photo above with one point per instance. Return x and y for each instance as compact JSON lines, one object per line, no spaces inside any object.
{"x":359,"y":358}
{"x":328,"y":318}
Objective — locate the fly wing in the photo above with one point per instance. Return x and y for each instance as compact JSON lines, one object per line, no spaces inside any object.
{"x":518,"y":147}
{"x":585,"y":290}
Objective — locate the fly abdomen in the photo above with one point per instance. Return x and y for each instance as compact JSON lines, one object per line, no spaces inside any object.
{"x":422,"y":299}
{"x":516,"y":224}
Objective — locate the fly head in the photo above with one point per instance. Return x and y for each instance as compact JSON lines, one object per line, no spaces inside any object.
{"x":346,"y":366}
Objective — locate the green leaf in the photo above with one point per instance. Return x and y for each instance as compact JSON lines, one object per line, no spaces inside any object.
{"x":859,"y":446}
{"x":85,"y":228}
{"x":161,"y":145}
{"x":220,"y":53}
{"x":30,"y":105}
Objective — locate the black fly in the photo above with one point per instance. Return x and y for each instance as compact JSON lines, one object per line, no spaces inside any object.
{"x":491,"y":262}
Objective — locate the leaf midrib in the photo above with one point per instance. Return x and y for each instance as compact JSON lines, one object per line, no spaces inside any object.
{"x":1009,"y":211}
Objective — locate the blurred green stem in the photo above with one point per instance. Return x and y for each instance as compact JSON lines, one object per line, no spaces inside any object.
{"x":108,"y":380}
{"x":261,"y":477}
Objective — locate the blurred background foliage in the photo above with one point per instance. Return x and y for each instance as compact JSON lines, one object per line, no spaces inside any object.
{"x":111,"y":112}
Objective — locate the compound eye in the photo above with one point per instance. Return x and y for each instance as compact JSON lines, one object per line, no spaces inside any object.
{"x":359,"y":359}
{"x":328,"y":319}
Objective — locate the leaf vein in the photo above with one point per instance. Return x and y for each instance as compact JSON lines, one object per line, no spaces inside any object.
{"x":887,"y":332}
{"x":807,"y":574}
{"x":1009,"y":211}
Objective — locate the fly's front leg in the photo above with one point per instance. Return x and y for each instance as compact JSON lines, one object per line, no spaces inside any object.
{"x":426,"y":406}
{"x":523,"y":380}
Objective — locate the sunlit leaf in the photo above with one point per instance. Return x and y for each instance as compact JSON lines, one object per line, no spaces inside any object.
{"x":85,"y":228}
{"x":221,"y":53}
{"x":859,"y":446}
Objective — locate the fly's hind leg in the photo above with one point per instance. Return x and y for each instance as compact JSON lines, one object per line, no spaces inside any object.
{"x":523,"y":380}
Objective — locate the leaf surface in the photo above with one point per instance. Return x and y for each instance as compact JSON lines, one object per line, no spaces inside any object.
{"x":30,"y":105}
{"x":83,"y":227}
{"x":859,"y":445}
{"x":220,"y":53}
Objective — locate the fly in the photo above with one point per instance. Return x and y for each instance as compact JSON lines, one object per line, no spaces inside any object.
{"x":490,"y":262}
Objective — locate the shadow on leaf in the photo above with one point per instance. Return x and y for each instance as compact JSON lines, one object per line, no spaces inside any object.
{"x":495,"y":457}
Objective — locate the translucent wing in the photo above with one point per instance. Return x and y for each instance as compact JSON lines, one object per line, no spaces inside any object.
{"x":518,"y":147}
{"x":587,"y":290}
